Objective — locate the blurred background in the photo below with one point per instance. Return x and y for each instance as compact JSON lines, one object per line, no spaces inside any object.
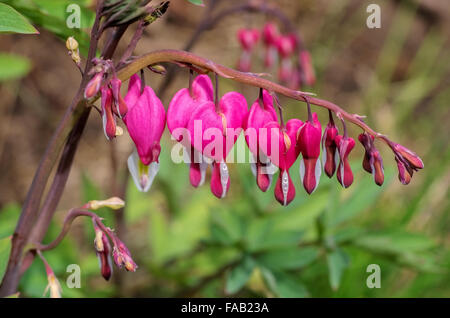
{"x":188,"y":243}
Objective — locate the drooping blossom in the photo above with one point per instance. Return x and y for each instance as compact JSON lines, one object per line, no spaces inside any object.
{"x":330,"y":157}
{"x":372,"y":162}
{"x":344,"y":172}
{"x":307,"y":69}
{"x":285,"y":46}
{"x":308,"y":139}
{"x":122,"y":256}
{"x":108,"y":119}
{"x":179,"y":112}
{"x":145,"y":121}
{"x":103,"y":251}
{"x":248,"y":39}
{"x":119,"y":106}
{"x":283,"y":151}
{"x":261,"y":113}
{"x":407,"y":162}
{"x":214,"y":130}
{"x":269,"y":36}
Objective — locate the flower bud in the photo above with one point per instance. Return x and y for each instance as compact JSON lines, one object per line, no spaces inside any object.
{"x":108,"y":119}
{"x":269,"y":33}
{"x":285,"y":45}
{"x":411,"y":158}
{"x":120,"y":107}
{"x":93,"y":87}
{"x":122,"y":257}
{"x":344,"y":172}
{"x":404,"y":173}
{"x":372,"y":162}
{"x":114,"y":203}
{"x":308,"y":141}
{"x":309,"y":76}
{"x":71,"y":44}
{"x":248,"y":38}
{"x":330,"y":157}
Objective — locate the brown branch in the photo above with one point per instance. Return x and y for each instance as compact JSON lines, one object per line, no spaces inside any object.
{"x":176,"y":56}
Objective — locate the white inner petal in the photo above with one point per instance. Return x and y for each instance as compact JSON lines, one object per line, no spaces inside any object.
{"x":285,"y":186}
{"x":224,"y":176}
{"x":133,"y":161}
{"x":104,"y":120}
{"x":317,"y":173}
{"x":302,"y":170}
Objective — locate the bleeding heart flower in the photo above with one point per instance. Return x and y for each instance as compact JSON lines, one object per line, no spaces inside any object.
{"x":372,"y":162}
{"x":269,"y":35}
{"x":179,"y":112}
{"x":330,"y":157}
{"x":409,"y":157}
{"x":224,"y":124}
{"x":93,"y":86}
{"x":309,"y":76}
{"x":308,"y":141}
{"x":145,"y":121}
{"x":108,"y":119}
{"x":103,"y":251}
{"x":261,"y":113}
{"x":283,"y":152}
{"x":248,"y":39}
{"x":344,"y":173}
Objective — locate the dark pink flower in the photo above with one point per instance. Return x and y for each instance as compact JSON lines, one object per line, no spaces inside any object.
{"x":309,"y":76}
{"x":372,"y":162}
{"x":108,"y":119}
{"x":269,"y":35}
{"x":93,"y":86}
{"x":120,"y":107}
{"x":308,"y":140}
{"x":145,"y":121}
{"x":408,"y":156}
{"x":261,"y":113}
{"x":330,"y":157}
{"x":283,"y":152}
{"x":179,"y":112}
{"x":344,"y":172}
{"x":248,"y":39}
{"x":103,"y":251}
{"x":208,"y":128}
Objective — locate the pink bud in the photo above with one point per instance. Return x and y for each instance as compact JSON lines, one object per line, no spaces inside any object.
{"x":122,"y":256}
{"x":120,"y":107}
{"x":308,"y":140}
{"x":404,"y":173}
{"x":372,"y":162}
{"x":412,"y":158}
{"x":93,"y":86}
{"x":329,"y":156}
{"x":285,"y":45}
{"x":307,"y":68}
{"x":344,"y":172}
{"x":109,"y":121}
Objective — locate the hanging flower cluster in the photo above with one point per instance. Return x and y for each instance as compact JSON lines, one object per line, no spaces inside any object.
{"x":295,"y":67}
{"x":208,"y":127}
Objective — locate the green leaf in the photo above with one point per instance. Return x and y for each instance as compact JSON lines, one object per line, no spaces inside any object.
{"x":5,"y":248}
{"x":197,"y":2}
{"x":395,"y":242}
{"x":12,"y":21}
{"x":13,"y":66}
{"x":285,"y":285}
{"x":337,"y":262}
{"x":239,"y":276}
{"x":288,"y":258}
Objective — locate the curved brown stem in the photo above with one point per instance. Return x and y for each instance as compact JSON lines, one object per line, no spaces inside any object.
{"x":176,"y":56}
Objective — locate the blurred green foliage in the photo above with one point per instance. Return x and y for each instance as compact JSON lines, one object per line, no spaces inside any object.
{"x":186,"y":242}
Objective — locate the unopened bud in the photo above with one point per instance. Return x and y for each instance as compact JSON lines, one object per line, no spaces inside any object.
{"x":114,"y":203}
{"x":157,"y":68}
{"x":71,"y":44}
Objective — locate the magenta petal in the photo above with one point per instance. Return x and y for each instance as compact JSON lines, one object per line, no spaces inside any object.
{"x":134,"y":91}
{"x":202,"y":88}
{"x":145,"y":122}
